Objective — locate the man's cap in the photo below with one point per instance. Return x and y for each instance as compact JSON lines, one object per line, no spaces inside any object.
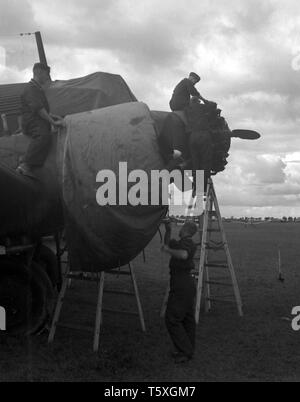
{"x":41,"y":66}
{"x":190,"y":227}
{"x":194,"y":75}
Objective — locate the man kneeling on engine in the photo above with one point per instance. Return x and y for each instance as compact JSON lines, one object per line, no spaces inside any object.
{"x":182,"y":94}
{"x":37,"y":120}
{"x":178,"y":125}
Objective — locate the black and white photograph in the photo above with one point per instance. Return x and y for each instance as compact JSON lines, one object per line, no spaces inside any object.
{"x":149,"y":193}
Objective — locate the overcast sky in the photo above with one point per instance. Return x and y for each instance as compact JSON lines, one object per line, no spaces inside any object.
{"x":247,"y":53}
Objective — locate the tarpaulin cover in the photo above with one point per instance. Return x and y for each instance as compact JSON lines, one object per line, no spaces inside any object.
{"x":87,"y":93}
{"x":104,"y":237}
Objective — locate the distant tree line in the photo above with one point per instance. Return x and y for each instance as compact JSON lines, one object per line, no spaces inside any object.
{"x":252,"y":219}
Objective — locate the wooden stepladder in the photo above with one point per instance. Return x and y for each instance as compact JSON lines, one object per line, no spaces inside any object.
{"x":99,"y":278}
{"x":214,"y":256}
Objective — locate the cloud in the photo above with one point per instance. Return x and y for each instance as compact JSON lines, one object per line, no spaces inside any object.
{"x":264,"y":169}
{"x":15,"y":17}
{"x":138,"y":37}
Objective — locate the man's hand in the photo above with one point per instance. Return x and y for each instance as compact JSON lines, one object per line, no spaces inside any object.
{"x":56,"y":121}
{"x":179,"y":254}
{"x":59,"y":122}
{"x":55,"y":116}
{"x":164,"y":248}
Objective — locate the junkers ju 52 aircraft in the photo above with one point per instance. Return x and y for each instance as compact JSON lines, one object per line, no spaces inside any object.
{"x":105,"y":125}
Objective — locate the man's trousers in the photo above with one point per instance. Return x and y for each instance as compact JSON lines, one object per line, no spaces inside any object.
{"x":180,"y":314}
{"x":41,"y":138}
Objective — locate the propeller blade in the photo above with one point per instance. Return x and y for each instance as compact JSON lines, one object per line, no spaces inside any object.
{"x":245,"y":134}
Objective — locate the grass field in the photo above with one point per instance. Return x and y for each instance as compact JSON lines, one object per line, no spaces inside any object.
{"x":261,"y":346}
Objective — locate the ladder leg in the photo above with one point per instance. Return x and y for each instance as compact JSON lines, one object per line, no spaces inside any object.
{"x":99,"y":312}
{"x":209,"y":227}
{"x":165,"y":302}
{"x":138,"y":301}
{"x":199,"y":293}
{"x":58,"y":308}
{"x":58,"y":259}
{"x":228,"y":256}
{"x":202,"y":261}
{"x":207,"y":293}
{"x":235,"y":283}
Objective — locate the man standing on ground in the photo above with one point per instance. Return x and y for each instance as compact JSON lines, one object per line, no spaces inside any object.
{"x":180,"y":313}
{"x":37,"y":120}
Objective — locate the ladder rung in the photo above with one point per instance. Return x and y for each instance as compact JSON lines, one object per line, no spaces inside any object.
{"x":107,"y":310}
{"x":217,"y":265}
{"x":76,"y":327}
{"x":84,"y":302}
{"x":120,"y":292}
{"x":86,"y":276}
{"x":82,"y":277}
{"x":215,"y":243}
{"x":221,"y":278}
{"x":112,"y":272}
{"x":212,"y":213}
{"x":220,"y":300}
{"x":214,"y":247}
{"x":218,"y":283}
{"x":224,"y":262}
